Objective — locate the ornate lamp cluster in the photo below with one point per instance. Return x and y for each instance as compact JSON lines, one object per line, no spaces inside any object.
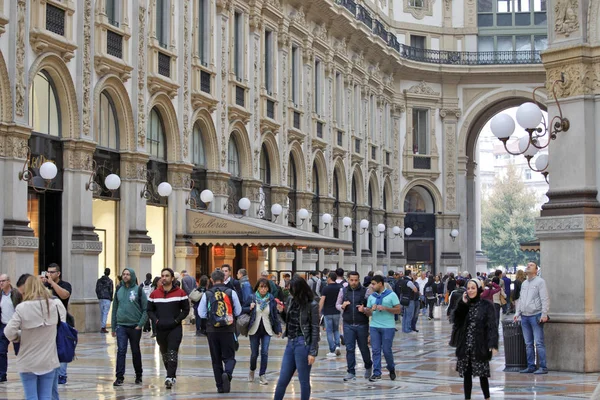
{"x":47,"y":170}
{"x":529,"y":117}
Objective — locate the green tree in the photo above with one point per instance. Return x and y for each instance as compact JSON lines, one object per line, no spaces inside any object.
{"x":507,"y":219}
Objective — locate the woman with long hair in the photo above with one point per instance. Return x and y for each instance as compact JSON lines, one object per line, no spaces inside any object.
{"x":264,"y":323}
{"x":516,"y":292}
{"x":475,"y":335}
{"x":32,"y":324}
{"x":301,"y":315}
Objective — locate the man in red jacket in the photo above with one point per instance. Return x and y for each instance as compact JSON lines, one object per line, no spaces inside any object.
{"x":168,"y":305}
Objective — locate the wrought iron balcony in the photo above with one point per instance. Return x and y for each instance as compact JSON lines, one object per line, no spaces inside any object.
{"x":55,"y":19}
{"x":205,"y":82}
{"x":439,"y":56}
{"x":270,"y":109}
{"x":296,"y":120}
{"x":240,"y":96}
{"x":164,"y":65}
{"x":114,"y":44}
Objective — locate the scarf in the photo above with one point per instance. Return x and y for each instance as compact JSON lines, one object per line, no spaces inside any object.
{"x":262,"y":302}
{"x":379,"y":297}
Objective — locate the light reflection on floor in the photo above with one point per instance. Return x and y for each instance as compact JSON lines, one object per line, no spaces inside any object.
{"x":425,"y":369}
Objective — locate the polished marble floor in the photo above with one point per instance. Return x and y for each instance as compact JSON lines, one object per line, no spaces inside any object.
{"x":425,"y":368}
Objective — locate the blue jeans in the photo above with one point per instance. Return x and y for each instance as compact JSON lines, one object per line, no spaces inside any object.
{"x":533,"y":331}
{"x":295,"y":358}
{"x":104,"y":307}
{"x":4,"y":343}
{"x":357,"y":334}
{"x":424,"y":309}
{"x":332,"y":325}
{"x":37,"y":387}
{"x":381,"y":339}
{"x":129,"y":334}
{"x":55,"y":385}
{"x":408,"y":317}
{"x":62,"y":370}
{"x":415,"y":318}
{"x":263,"y":341}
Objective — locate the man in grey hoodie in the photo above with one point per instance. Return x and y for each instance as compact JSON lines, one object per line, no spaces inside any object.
{"x":533,"y":306}
{"x":128,"y":318}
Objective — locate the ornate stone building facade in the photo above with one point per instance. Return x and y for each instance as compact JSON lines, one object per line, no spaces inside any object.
{"x":368,"y":110}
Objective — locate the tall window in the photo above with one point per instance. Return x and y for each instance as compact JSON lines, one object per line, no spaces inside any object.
{"x":292,"y":199}
{"x":264,"y":203}
{"x":156,"y":136}
{"x":295,"y":77}
{"x":269,"y":61}
{"x":385,"y":131}
{"x":372,"y":118}
{"x":316,"y":201}
{"x":339,"y":95}
{"x":417,"y":41}
{"x":108,"y":133}
{"x":238,"y":45}
{"x":203,"y":31}
{"x":317,"y":87}
{"x":336,"y":205}
{"x":198,"y":156}
{"x":233,"y":158}
{"x":112,"y":12}
{"x":356,"y":109}
{"x":354,"y":214}
{"x":162,"y":22}
{"x":44,"y":112}
{"x":420,"y":131}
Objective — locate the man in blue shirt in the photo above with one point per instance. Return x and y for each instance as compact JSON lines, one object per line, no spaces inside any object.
{"x":382,"y":305}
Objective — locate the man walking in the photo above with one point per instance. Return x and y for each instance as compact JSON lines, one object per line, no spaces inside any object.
{"x":416,"y":304}
{"x":314,"y":282}
{"x":104,"y":292}
{"x":218,"y":308}
{"x":10,"y":299}
{"x":128,"y":318}
{"x":61,"y":290}
{"x":245,"y":286}
{"x":533,"y":307}
{"x":167,"y":307}
{"x":188,"y":283}
{"x":381,"y":306}
{"x":329,"y":295}
{"x":356,"y":325}
{"x":421,"y":281}
{"x":229,"y":281}
{"x":405,"y":288}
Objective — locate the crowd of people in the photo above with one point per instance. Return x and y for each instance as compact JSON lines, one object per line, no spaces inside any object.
{"x":353,"y":314}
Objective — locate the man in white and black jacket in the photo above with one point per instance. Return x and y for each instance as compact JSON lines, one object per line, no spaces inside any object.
{"x":168,"y":305}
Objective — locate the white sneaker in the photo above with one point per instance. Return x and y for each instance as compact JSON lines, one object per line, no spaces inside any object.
{"x":263,"y":380}
{"x":338,"y":352}
{"x":251,"y":376}
{"x":331,"y":355}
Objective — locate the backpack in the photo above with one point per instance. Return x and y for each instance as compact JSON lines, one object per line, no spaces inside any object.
{"x":429,"y":293}
{"x":66,"y":341}
{"x":147,"y":289}
{"x":220,"y":307}
{"x":313,"y":283}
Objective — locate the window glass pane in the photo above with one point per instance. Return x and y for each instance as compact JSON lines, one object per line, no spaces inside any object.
{"x":417,"y":41}
{"x":504,"y":19}
{"x":103,"y":131}
{"x":202,"y":26}
{"x":505,"y":6}
{"x":540,"y":43}
{"x":268,"y":60}
{"x":523,"y":19}
{"x":238,"y":45}
{"x":198,"y":156}
{"x":522,"y":5}
{"x":156,"y":136}
{"x":420,"y":130}
{"x":484,"y":6}
{"x":485,"y":43}
{"x":233,"y":158}
{"x":317,"y":87}
{"x":485,"y":20}
{"x":523,"y":43}
{"x":110,"y":11}
{"x":44,"y":116}
{"x":112,"y":128}
{"x":295,"y":75}
{"x":505,"y":43}
{"x":160,"y":26}
{"x":540,"y":18}
{"x":539,"y":5}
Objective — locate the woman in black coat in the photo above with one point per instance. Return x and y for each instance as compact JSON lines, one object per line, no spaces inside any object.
{"x":475,"y":335}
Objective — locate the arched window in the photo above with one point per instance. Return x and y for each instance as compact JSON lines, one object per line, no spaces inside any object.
{"x":264,"y":206}
{"x":292,"y":195}
{"x":418,"y":200}
{"x":354,"y":213}
{"x":198,"y":156}
{"x":336,"y":205}
{"x":316,"y":202}
{"x":44,"y":109}
{"x":233,"y":158}
{"x":157,"y":144}
{"x":372,"y":222}
{"x":108,"y":128}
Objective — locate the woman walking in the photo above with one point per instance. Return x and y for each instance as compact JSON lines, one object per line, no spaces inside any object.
{"x":33,"y":325}
{"x":264,"y":323}
{"x":301,"y":315}
{"x":430,"y":294}
{"x":475,"y":335}
{"x":516,"y":293}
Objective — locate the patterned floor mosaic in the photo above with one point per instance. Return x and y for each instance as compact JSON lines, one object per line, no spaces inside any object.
{"x":425,"y":368}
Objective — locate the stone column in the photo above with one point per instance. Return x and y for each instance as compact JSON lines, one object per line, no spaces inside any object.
{"x":223,"y":255}
{"x":304,"y":201}
{"x":179,"y":176}
{"x":396,"y":244}
{"x":18,"y":241}
{"x":135,"y":246}
{"x":279,"y":196}
{"x":251,"y":190}
{"x":256,"y":260}
{"x":569,"y":226}
{"x":217,"y":183}
{"x":471,"y":217}
{"x":285,"y":258}
{"x":448,"y":249}
{"x":81,"y":245}
{"x":185,"y":253}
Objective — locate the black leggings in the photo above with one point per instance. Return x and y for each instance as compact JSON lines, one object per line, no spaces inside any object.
{"x":483,"y":381}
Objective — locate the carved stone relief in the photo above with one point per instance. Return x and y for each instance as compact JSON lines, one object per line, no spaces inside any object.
{"x":423,"y":88}
{"x":450,"y":165}
{"x":186,"y":85}
{"x":141,"y":116}
{"x":419,"y":8}
{"x":21,"y":87}
{"x":566,"y":20}
{"x":87,"y":68}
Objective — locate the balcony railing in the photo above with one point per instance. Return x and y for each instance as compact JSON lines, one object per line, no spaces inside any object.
{"x":340,"y":138}
{"x":439,"y":56}
{"x":55,"y":19}
{"x":240,"y":96}
{"x":296,"y":120}
{"x":114,"y":44}
{"x":421,"y":162}
{"x":271,"y":109}
{"x":320,"y":129}
{"x":205,"y":82}
{"x":164,"y":64}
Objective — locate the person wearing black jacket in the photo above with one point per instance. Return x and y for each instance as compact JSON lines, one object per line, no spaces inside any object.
{"x":356,"y":325}
{"x":475,"y":335}
{"x":301,"y":315}
{"x":231,"y":282}
{"x":104,"y":292}
{"x":168,"y":305}
{"x":454,"y":298}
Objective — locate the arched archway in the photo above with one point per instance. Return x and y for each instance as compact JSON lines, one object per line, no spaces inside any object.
{"x":163,"y":104}
{"x":434,"y":192}
{"x":238,"y":131}
{"x":115,"y":89}
{"x":60,"y":75}
{"x":339,"y":175}
{"x":270,"y":144}
{"x":358,"y":182}
{"x":296,"y":151}
{"x":321,"y":165}
{"x":203,"y":120}
{"x":374,"y":187}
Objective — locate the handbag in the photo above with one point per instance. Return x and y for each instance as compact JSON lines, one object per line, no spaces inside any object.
{"x":502,"y":299}
{"x":404,"y":301}
{"x":66,"y":340}
{"x":195,"y":295}
{"x":243,"y":322}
